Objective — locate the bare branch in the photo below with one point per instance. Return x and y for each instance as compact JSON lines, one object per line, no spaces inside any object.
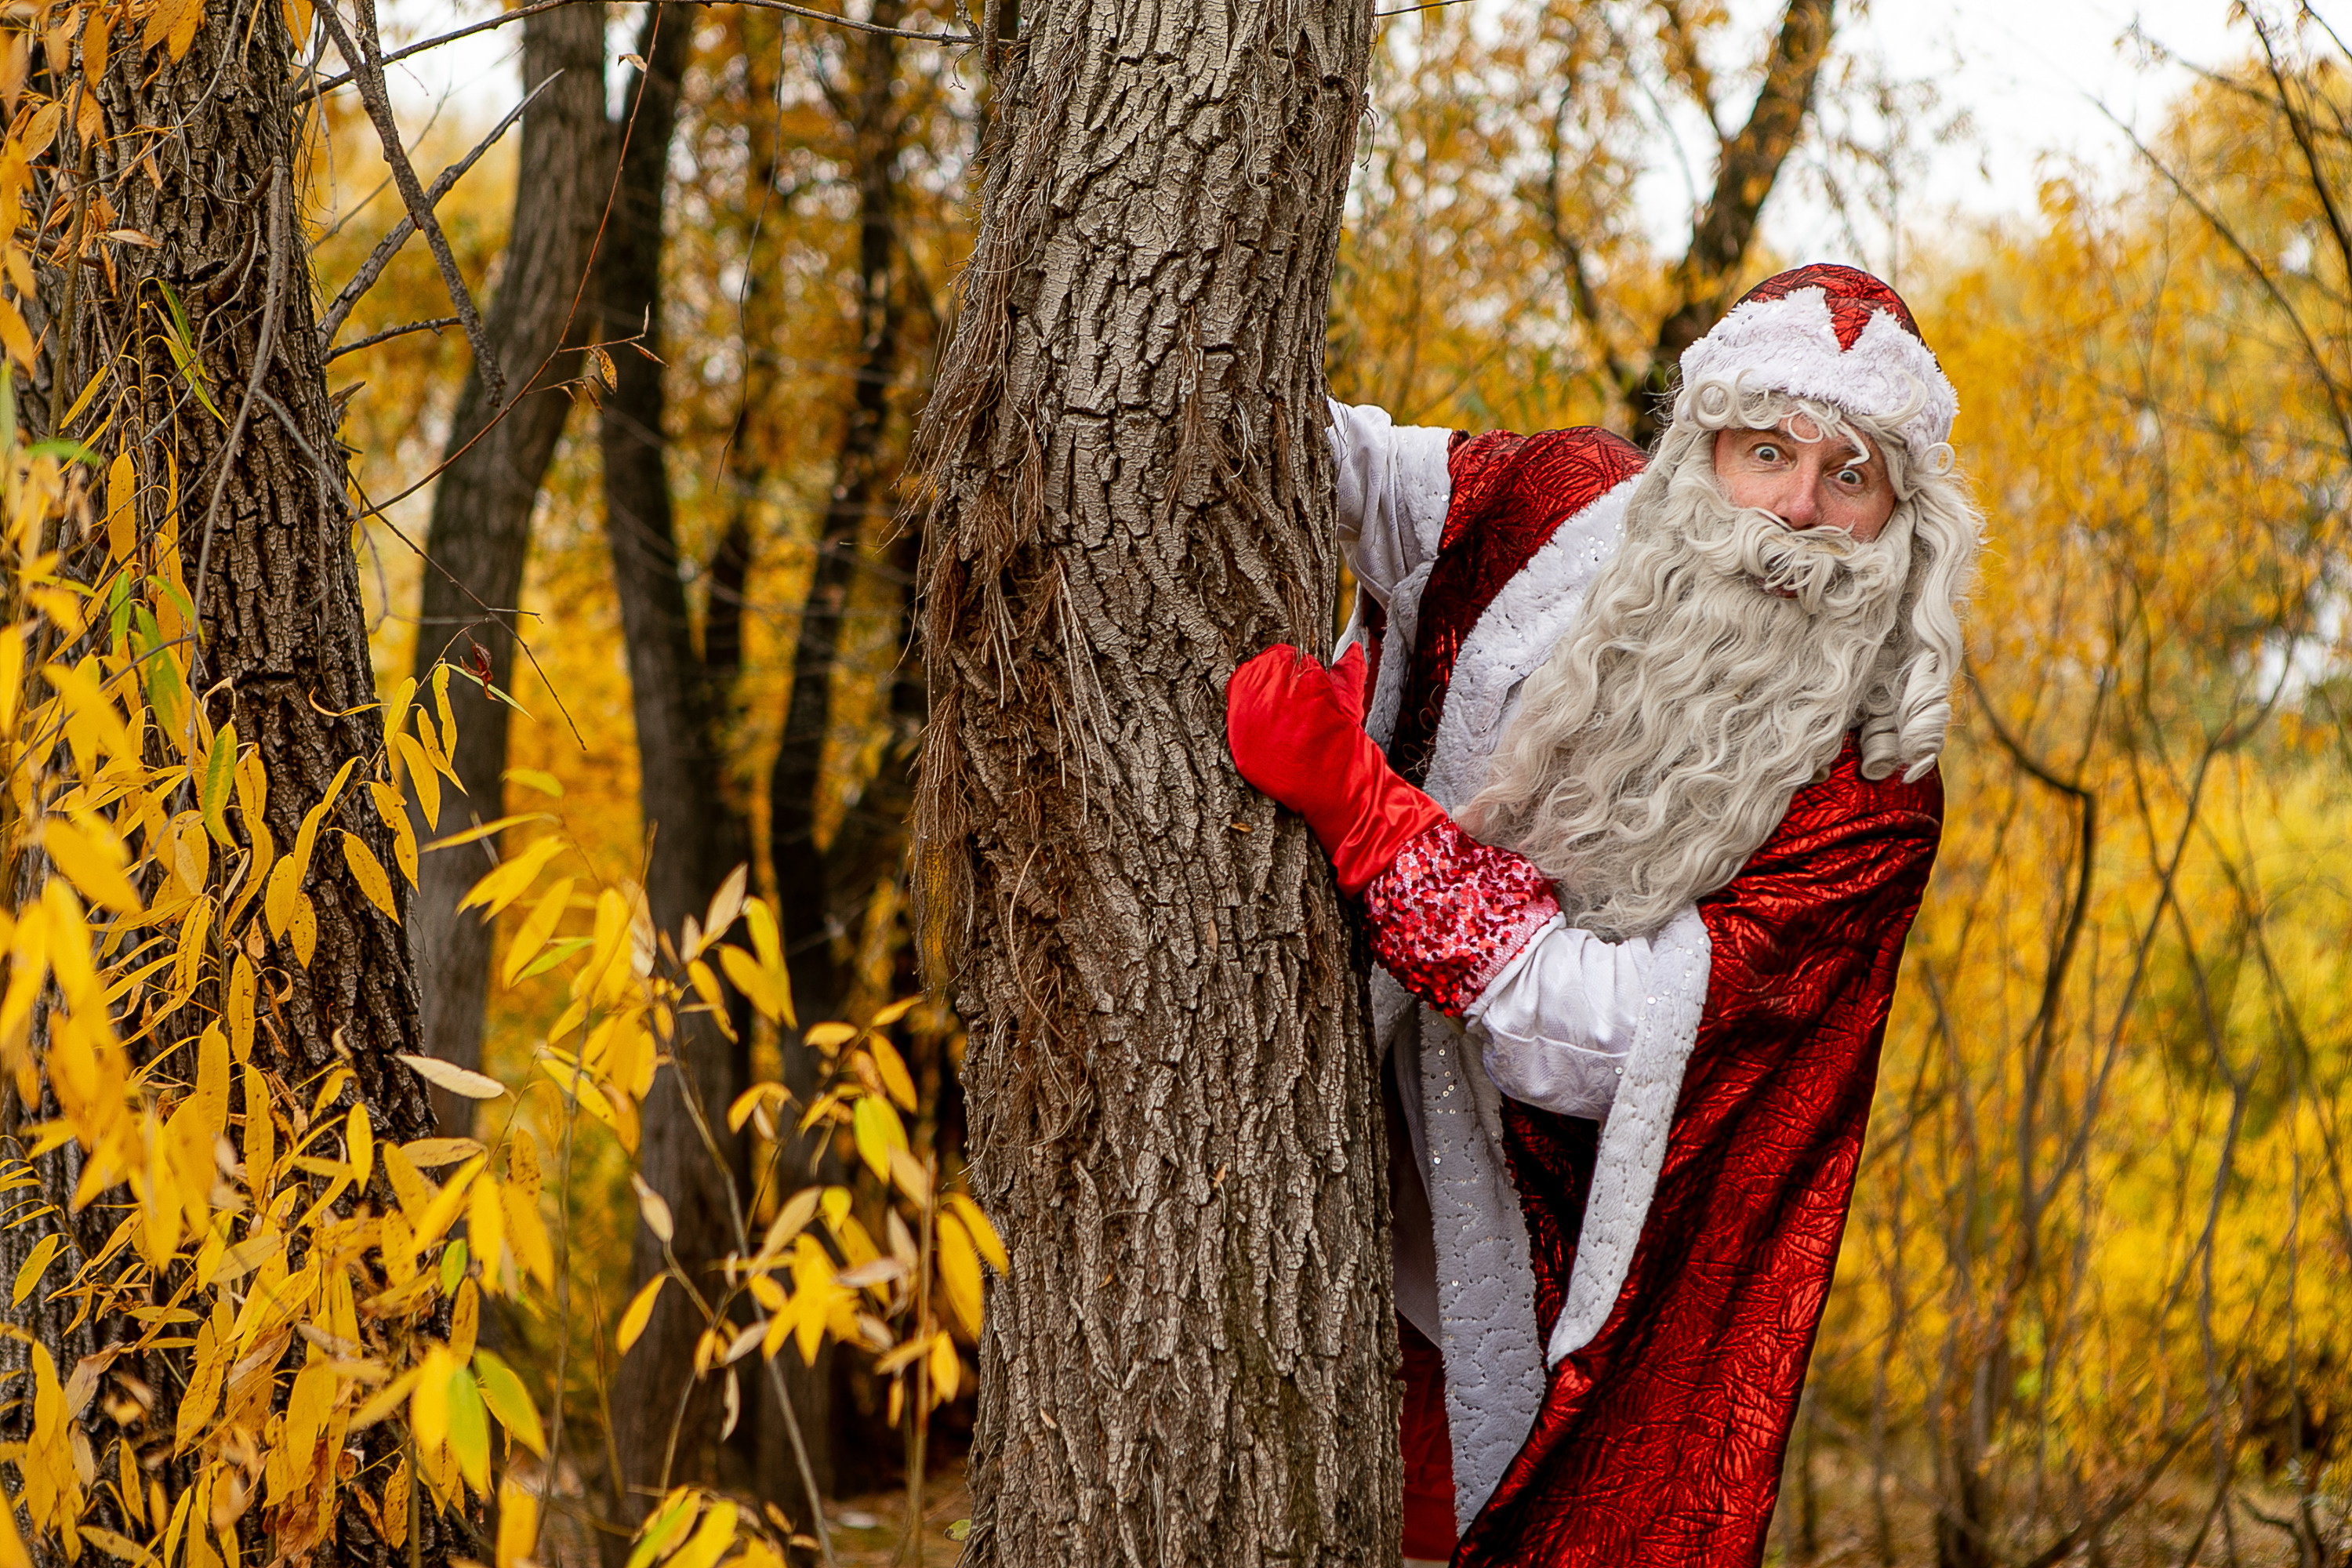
{"x":435,"y":325}
{"x":506,"y":18}
{"x":366,"y":62}
{"x":389,"y":246}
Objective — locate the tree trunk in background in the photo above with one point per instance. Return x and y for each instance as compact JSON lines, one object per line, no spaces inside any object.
{"x":480,"y":532}
{"x":1173,"y":1111}
{"x":823,"y":892}
{"x":284,"y":649}
{"x":660,"y":1437}
{"x":1704,"y":282}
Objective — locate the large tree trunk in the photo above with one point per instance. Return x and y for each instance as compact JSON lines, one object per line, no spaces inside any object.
{"x":668,"y":1424}
{"x":481,"y":531}
{"x":264,"y":533}
{"x":1173,"y":1111}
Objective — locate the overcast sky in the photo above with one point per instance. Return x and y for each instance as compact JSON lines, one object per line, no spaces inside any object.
{"x":2032,"y":74}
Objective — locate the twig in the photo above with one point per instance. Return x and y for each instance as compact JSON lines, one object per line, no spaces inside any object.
{"x":435,"y":325}
{"x":368,"y":67}
{"x":505,"y":18}
{"x":389,"y":246}
{"x":264,"y":350}
{"x":1409,"y":10}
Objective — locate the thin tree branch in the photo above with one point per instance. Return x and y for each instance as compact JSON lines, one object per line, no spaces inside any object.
{"x":435,"y":325}
{"x":389,"y":246}
{"x":364,"y":59}
{"x":506,"y":18}
{"x":265,"y":348}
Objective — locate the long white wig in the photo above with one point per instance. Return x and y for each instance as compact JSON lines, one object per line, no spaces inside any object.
{"x":1719,"y":664}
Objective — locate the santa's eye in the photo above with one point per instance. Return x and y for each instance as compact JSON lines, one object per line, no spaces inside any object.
{"x":1765,"y":452}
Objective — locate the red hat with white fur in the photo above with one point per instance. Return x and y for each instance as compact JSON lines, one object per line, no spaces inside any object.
{"x":1838,"y":335}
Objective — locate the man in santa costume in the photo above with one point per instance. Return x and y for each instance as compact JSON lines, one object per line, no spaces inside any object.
{"x":1640,"y":805}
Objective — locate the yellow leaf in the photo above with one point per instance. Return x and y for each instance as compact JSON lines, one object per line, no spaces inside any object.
{"x":518,"y":1521}
{"x":545,"y":784}
{"x":768,"y":989}
{"x":946,"y":1370}
{"x":93,"y":860}
{"x":877,"y":1131}
{"x":892,"y":1067}
{"x":527,"y":1233}
{"x":426,"y":783}
{"x":203,"y":1386}
{"x":395,"y":812}
{"x":638,"y":1313}
{"x":429,"y":1154}
{"x":959,"y":1274}
{"x":358,"y":1145}
{"x":368,"y":872}
{"x":486,"y":1228}
{"x":304,"y":929}
{"x":654,"y":1208}
{"x":983,"y":1233}
{"x":35,"y":1263}
{"x":428,"y":1406}
{"x":278,"y":902}
{"x":457,"y":1080}
{"x":710,"y":1540}
{"x":395,"y":707}
{"x":537,"y":927}
{"x":386,"y":1400}
{"x":413,"y":1190}
{"x":513,"y":878}
{"x":121,"y":508}
{"x":443,"y":1211}
{"x":16,"y":336}
{"x":237,"y":1007}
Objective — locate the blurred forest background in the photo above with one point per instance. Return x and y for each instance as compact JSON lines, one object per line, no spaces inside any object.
{"x":2093,"y":1305}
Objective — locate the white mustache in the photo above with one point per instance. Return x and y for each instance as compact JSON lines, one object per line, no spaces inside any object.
{"x":1826,"y":570}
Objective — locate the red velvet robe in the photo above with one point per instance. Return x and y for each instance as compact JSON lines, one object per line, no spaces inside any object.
{"x":1660,"y":1441}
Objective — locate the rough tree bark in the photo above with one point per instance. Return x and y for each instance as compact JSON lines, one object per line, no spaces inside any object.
{"x":271,"y":564}
{"x":1173,"y":1114}
{"x":666,"y":1423}
{"x":481,"y":531}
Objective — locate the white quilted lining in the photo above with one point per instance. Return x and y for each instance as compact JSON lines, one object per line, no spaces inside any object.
{"x":1634,"y":1139}
{"x":1495,"y":1360}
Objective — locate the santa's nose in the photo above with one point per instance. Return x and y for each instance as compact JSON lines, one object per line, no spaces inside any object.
{"x":1797,"y":504}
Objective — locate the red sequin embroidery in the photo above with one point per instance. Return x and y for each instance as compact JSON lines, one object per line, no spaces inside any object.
{"x":1450,"y":912}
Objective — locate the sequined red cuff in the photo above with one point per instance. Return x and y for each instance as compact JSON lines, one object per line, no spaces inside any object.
{"x":1450,"y":912}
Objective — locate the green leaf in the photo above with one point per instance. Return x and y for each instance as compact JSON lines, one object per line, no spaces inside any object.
{"x":470,"y":1429}
{"x":453,"y":1265}
{"x":219,"y":779}
{"x":503,"y":1392}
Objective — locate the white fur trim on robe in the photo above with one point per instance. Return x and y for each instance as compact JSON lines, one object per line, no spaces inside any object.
{"x":1394,"y":513}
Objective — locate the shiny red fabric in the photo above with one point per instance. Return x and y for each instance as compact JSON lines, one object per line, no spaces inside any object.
{"x":1296,"y":731}
{"x":1659,"y":1442}
{"x":1510,"y":495}
{"x":1428,"y":1448}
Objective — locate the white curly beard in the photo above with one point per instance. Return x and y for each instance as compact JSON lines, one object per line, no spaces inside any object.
{"x":1719,"y":664}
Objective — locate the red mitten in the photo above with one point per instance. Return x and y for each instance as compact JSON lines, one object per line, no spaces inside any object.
{"x":1296,"y":731}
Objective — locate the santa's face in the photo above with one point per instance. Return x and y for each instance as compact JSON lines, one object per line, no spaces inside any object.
{"x":1805,"y":479}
